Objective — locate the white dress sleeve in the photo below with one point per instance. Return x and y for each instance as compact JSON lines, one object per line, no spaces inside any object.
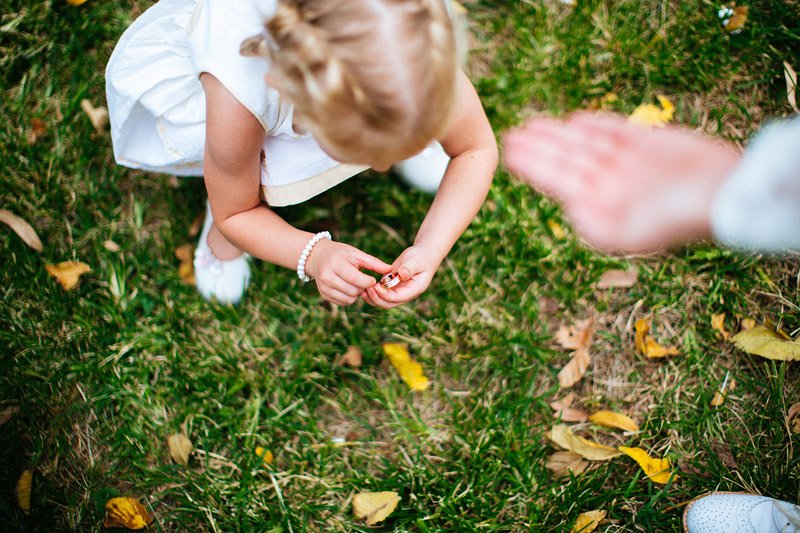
{"x":758,"y":206}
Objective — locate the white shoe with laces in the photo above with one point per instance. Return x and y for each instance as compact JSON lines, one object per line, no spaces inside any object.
{"x":738,"y":512}
{"x":425,"y":170}
{"x":223,"y":281}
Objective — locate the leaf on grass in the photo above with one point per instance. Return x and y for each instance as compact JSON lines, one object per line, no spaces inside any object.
{"x":185,"y":254}
{"x":180,"y":448}
{"x":767,"y":343}
{"x":38,"y":129}
{"x":613,"y":420}
{"x":352,"y":357}
{"x":791,"y":85}
{"x":561,"y":463}
{"x":111,"y":246}
{"x":68,"y":273}
{"x":76,"y":2}
{"x":658,"y":470}
{"x":24,"y":230}
{"x":652,"y":115}
{"x":97,"y":115}
{"x":747,"y":323}
{"x":727,"y":386}
{"x":588,"y":521}
{"x":793,"y":418}
{"x":718,"y":323}
{"x":565,"y":412}
{"x":618,"y":279}
{"x":409,"y":370}
{"x":127,"y":513}
{"x":556,"y":229}
{"x":375,"y":506}
{"x":563,"y":436}
{"x":647,"y":345}
{"x":197,"y":224}
{"x":7,"y":413}
{"x":265,"y":455}
{"x":734,"y":18}
{"x":573,"y":337}
{"x":23,"y":490}
{"x":576,"y":368}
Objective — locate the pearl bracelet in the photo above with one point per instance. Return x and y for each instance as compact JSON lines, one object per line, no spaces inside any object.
{"x":301,"y":263}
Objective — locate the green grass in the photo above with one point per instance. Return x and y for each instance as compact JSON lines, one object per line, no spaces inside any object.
{"x":102,"y":375}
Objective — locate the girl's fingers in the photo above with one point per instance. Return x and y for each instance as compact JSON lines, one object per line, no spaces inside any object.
{"x":338,"y":297}
{"x":364,"y":260}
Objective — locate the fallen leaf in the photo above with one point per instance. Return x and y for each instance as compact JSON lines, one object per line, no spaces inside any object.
{"x":68,"y":273}
{"x":557,"y":229}
{"x":265,"y":455}
{"x":7,"y":413}
{"x":565,"y":412}
{"x":576,"y":368}
{"x":573,"y":337}
{"x":652,"y":115}
{"x":409,"y":370}
{"x":548,"y":305}
{"x":618,"y":279}
{"x":588,"y":521}
{"x":597,"y":104}
{"x":38,"y":129}
{"x":748,"y":323}
{"x":791,"y":85}
{"x":185,"y":254}
{"x":23,"y":490}
{"x":562,"y":463}
{"x":352,"y":357}
{"x":792,"y":418}
{"x":563,"y":436}
{"x":647,"y":345}
{"x":642,"y":329}
{"x":375,"y":506}
{"x":197,"y":224}
{"x":111,"y":246}
{"x":180,"y":448}
{"x":127,"y":513}
{"x":97,"y":115}
{"x":767,"y":343}
{"x":610,"y":419}
{"x":658,"y":470}
{"x":24,"y":230}
{"x":733,"y":19}
{"x":76,"y":2}
{"x":718,"y":323}
{"x":727,"y":386}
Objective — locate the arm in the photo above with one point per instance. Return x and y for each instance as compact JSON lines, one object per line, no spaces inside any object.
{"x":232,"y":166}
{"x":470,"y":142}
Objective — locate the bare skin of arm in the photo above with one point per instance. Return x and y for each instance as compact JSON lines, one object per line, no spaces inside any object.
{"x":470,"y":142}
{"x":232,"y":168}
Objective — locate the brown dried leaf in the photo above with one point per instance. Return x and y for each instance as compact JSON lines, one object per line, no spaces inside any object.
{"x":68,"y":273}
{"x":38,"y":129}
{"x":97,"y":115}
{"x":563,"y":436}
{"x":718,"y":323}
{"x":7,"y":413}
{"x":748,"y":323}
{"x":375,"y":506}
{"x":126,"y":513}
{"x":352,"y":357}
{"x":563,"y":462}
{"x":588,"y":521}
{"x":111,"y":246}
{"x":793,"y":418}
{"x":791,"y":85}
{"x":622,"y":279}
{"x":579,"y":336}
{"x":573,"y":337}
{"x":197,"y":224}
{"x":24,"y":230}
{"x":180,"y":448}
{"x":565,"y":412}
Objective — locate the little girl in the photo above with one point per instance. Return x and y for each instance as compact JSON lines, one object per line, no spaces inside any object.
{"x":276,"y":101}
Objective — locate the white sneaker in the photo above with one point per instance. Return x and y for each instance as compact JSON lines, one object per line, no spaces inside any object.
{"x":738,"y":512}
{"x":224,"y":281}
{"x":425,"y":170}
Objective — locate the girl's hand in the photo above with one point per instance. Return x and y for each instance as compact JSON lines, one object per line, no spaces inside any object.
{"x":336,"y":268}
{"x":416,"y":267}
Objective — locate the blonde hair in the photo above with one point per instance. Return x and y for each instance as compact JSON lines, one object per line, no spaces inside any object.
{"x":366,"y":76}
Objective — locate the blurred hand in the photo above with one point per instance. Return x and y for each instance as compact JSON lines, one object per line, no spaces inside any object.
{"x":416,"y":267}
{"x":336,"y":269}
{"x":625,"y":188}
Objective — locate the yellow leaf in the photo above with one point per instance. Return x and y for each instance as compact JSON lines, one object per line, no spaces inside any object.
{"x":180,"y":447}
{"x":748,"y":323}
{"x":265,"y":455}
{"x":76,"y":2}
{"x":352,"y":357}
{"x":564,"y":462}
{"x":563,"y":436}
{"x":588,"y":521}
{"x":767,"y":343}
{"x":658,"y":470}
{"x":23,"y":490}
{"x":126,"y":512}
{"x":652,"y":115}
{"x":727,"y":386}
{"x":610,"y":419}
{"x":565,"y":412}
{"x":24,"y":230}
{"x":556,"y":229}
{"x":375,"y":506}
{"x":618,"y":279}
{"x":68,"y":273}
{"x":718,"y":323}
{"x":185,"y":254}
{"x":642,"y":329}
{"x":98,"y":116}
{"x":409,"y":370}
{"x":647,"y":345}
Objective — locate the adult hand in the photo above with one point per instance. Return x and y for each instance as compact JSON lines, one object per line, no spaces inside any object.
{"x":416,"y":267}
{"x":625,"y":188}
{"x":337,"y":270}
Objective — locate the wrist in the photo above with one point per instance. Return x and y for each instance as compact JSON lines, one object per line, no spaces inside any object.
{"x":306,"y":266}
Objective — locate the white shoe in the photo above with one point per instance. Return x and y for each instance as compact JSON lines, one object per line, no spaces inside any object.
{"x":425,"y":170}
{"x":224,"y":281}
{"x":737,"y":512}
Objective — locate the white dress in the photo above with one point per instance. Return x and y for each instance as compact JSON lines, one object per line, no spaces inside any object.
{"x":157,"y":105}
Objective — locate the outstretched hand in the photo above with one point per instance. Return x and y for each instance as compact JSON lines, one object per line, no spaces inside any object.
{"x":416,"y":267}
{"x":337,"y":270}
{"x":625,"y":188}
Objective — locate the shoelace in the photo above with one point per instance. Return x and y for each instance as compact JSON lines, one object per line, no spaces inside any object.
{"x":791,"y":512}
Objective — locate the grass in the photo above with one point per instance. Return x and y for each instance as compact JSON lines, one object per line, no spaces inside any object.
{"x":102,"y":375}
